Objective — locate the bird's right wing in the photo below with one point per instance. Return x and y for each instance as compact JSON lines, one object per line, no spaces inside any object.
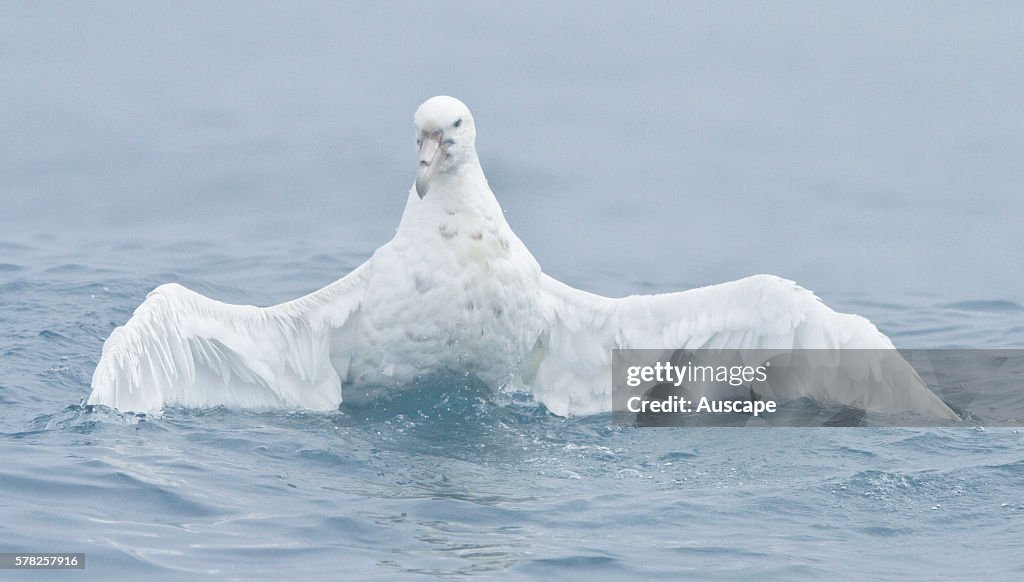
{"x":570,"y":370}
{"x":180,"y":347}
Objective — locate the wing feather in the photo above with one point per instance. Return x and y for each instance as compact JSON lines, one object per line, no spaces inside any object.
{"x":570,"y":369}
{"x":180,"y":347}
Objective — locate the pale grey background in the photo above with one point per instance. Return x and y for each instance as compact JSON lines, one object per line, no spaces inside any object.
{"x":855,"y":147}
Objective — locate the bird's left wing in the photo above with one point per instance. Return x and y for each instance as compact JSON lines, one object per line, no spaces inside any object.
{"x":182,"y":348}
{"x":570,"y":370}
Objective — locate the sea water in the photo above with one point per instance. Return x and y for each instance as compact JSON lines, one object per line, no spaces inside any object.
{"x":256,"y":152}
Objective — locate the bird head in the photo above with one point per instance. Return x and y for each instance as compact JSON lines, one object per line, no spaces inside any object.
{"x":445,"y":137}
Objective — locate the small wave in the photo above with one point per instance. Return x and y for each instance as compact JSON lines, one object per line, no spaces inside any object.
{"x":574,"y":565}
{"x":886,"y":532}
{"x":54,"y":336}
{"x":68,"y":268}
{"x":83,"y":419}
{"x":988,"y":306}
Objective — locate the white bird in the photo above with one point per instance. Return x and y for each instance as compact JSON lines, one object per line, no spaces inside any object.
{"x":456,"y":290}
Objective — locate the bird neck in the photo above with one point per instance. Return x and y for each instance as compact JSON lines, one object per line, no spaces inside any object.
{"x":460,"y":191}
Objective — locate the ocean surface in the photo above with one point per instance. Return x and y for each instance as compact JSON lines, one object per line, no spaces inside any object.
{"x":255,"y":152}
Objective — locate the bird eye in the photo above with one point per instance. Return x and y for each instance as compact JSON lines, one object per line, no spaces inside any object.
{"x":419,"y":141}
{"x":457,"y":123}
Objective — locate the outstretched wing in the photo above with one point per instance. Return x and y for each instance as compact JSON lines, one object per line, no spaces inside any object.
{"x":570,"y":371}
{"x":180,"y":347}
